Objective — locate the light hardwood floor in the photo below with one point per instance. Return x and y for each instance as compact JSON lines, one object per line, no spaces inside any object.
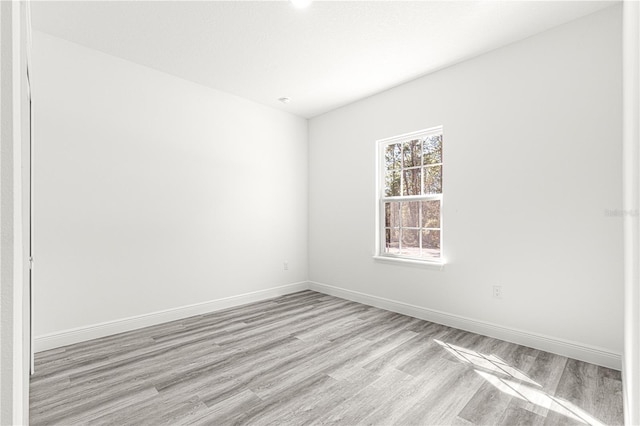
{"x":309,"y":358}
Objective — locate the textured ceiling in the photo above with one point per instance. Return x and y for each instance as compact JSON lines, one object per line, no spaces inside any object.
{"x":322,"y":57}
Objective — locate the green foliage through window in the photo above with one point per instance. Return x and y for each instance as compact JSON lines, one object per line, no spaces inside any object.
{"x":412,"y":195}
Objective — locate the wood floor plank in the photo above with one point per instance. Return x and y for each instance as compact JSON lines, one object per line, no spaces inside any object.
{"x":402,"y":354}
{"x":609,"y":400}
{"x":456,"y":384}
{"x":308,"y":358}
{"x":374,"y":350}
{"x":271,"y":409}
{"x":317,"y":359}
{"x":227,"y":412}
{"x":518,"y":416}
{"x":392,"y":410}
{"x":487,"y":405}
{"x":153,"y":411}
{"x":354,"y":409}
{"x":325,"y":399}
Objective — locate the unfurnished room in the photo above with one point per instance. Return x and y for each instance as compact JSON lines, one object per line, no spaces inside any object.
{"x":300,"y":212}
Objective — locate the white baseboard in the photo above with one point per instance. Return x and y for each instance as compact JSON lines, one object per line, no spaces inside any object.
{"x":81,"y":334}
{"x":591,"y":354}
{"x":594,"y":355}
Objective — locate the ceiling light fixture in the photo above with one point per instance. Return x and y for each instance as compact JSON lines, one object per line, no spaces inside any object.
{"x":300,"y":4}
{"x":285,"y":100}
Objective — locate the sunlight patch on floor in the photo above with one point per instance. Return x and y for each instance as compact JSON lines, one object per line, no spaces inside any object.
{"x":515,"y":383}
{"x":487,"y":362}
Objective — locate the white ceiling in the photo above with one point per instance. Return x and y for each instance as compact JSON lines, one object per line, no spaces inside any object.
{"x":322,"y":57}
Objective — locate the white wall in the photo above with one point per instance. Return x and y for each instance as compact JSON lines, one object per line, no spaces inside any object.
{"x":154,"y":193}
{"x":532,"y":152}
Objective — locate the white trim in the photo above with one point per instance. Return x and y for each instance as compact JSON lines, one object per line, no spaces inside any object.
{"x":402,"y":138}
{"x":592,"y":354}
{"x":407,"y":198}
{"x":18,"y":259}
{"x":81,"y":334}
{"x":14,"y":395}
{"x":430,"y":264}
{"x":631,"y":202}
{"x":381,"y":199}
{"x":568,"y":348}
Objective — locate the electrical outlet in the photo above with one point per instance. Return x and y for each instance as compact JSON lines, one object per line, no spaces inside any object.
{"x":497,"y":292}
{"x":285,"y":266}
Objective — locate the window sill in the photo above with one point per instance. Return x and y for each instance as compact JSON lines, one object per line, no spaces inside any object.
{"x":429,"y":264}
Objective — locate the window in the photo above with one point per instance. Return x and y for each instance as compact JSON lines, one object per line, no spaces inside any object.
{"x":410,"y":196}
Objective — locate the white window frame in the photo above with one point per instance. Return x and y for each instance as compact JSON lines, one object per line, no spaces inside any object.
{"x":381,"y":199}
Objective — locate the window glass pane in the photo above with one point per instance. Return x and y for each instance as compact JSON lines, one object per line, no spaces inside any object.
{"x":433,"y":180}
{"x":392,"y":241}
{"x":392,"y":184}
{"x":411,"y":153}
{"x":432,"y":149}
{"x":411,"y":181}
{"x":431,"y":214}
{"x":410,"y":242}
{"x":392,"y":215}
{"x":392,"y":156}
{"x":411,"y":170}
{"x":430,"y":243}
{"x":411,"y":214}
